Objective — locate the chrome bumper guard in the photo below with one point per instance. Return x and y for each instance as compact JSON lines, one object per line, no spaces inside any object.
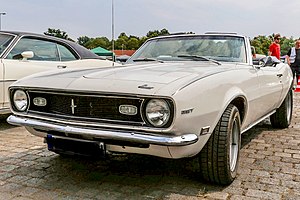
{"x":104,"y":134}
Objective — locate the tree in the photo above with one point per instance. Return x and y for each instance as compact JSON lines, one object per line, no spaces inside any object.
{"x":121,"y":42}
{"x":98,"y":42}
{"x":125,"y":42}
{"x":156,"y":33}
{"x":133,"y":43}
{"x":57,"y":33}
{"x":83,"y":40}
{"x":286,"y":44}
{"x":142,"y":40}
{"x":261,"y":44}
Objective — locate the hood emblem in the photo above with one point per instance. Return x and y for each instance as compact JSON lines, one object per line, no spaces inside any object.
{"x":145,"y":86}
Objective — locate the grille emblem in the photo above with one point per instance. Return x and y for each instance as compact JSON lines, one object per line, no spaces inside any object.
{"x":39,"y":101}
{"x":91,"y":109}
{"x":128,"y":109}
{"x":73,"y":106}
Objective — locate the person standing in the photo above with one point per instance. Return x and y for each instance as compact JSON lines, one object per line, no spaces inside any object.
{"x":293,"y":59}
{"x":274,"y":48}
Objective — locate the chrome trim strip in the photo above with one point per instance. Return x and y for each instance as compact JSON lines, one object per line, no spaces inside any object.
{"x":8,"y":48}
{"x":257,"y":121}
{"x":137,"y":137}
{"x":79,"y":120}
{"x":8,"y":80}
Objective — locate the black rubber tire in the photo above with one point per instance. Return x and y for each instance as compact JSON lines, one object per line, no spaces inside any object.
{"x":283,"y":116}
{"x":215,"y":160}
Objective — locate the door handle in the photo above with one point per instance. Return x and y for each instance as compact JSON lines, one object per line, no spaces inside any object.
{"x":279,"y":75}
{"x":61,"y":66}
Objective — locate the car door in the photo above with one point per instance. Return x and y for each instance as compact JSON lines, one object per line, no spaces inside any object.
{"x":271,"y":86}
{"x":46,"y":56}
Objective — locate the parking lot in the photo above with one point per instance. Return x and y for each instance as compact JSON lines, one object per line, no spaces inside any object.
{"x":269,"y":169}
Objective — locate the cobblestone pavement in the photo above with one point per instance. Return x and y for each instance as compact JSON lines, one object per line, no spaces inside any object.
{"x":269,"y":169}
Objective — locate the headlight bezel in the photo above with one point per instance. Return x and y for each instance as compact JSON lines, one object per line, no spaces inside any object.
{"x":14,"y":103}
{"x":168,"y":102}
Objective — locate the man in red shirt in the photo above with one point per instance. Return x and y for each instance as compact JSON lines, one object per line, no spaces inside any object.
{"x":274,"y":49}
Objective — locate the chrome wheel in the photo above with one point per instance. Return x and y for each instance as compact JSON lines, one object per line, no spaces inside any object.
{"x":289,"y":108}
{"x":234,"y":145}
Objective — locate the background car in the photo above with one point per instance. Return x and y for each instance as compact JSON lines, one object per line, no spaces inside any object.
{"x":22,"y":54}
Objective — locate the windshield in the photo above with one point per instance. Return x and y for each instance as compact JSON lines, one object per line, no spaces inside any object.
{"x":4,"y":42}
{"x":217,"y":48}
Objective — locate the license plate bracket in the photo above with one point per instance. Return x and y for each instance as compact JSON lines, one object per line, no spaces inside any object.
{"x":76,"y":147}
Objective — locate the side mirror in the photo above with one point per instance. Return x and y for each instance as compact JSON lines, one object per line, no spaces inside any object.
{"x":269,"y":61}
{"x":24,"y":55}
{"x":27,"y":54}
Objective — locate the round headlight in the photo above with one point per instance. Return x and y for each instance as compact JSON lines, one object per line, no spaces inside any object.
{"x":158,"y":112}
{"x":20,"y":100}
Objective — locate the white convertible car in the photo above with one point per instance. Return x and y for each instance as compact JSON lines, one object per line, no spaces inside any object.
{"x":23,"y":54}
{"x":177,"y":96}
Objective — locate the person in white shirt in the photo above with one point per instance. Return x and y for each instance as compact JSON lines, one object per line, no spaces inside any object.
{"x":293,"y":59}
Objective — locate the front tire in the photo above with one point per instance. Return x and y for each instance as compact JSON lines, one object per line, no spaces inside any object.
{"x":283,"y":116}
{"x":219,"y":157}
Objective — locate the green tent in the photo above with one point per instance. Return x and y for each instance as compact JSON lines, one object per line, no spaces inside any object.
{"x":102,"y":52}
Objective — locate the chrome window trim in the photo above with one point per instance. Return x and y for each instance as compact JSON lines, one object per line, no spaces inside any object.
{"x":7,"y":50}
{"x":43,"y":39}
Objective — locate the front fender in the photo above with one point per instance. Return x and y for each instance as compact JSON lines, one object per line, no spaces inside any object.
{"x":203,"y":104}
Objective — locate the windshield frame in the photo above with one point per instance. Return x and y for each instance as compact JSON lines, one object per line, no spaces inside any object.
{"x":239,"y":40}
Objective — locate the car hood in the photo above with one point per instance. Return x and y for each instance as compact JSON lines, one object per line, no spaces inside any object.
{"x":147,"y":79}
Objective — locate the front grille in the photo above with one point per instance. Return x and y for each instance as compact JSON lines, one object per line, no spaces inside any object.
{"x":86,"y":106}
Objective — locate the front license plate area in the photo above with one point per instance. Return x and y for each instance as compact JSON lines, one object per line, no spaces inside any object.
{"x":76,"y":147}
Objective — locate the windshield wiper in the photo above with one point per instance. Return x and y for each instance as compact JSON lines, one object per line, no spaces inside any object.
{"x":203,"y":58}
{"x":147,"y":60}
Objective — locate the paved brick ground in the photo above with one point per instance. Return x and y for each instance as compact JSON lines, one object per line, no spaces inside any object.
{"x":269,"y":169}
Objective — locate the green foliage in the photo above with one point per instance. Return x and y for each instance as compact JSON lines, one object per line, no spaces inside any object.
{"x":83,"y":40}
{"x":125,"y":42}
{"x":133,"y":43}
{"x":97,"y":42}
{"x":57,"y":33}
{"x":261,"y":44}
{"x":286,"y":44}
{"x":121,"y":42}
{"x":156,"y":33}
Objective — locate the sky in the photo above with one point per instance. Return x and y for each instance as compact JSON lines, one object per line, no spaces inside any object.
{"x":93,"y":18}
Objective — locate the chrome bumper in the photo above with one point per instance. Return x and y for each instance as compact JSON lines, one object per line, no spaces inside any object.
{"x":104,"y":134}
